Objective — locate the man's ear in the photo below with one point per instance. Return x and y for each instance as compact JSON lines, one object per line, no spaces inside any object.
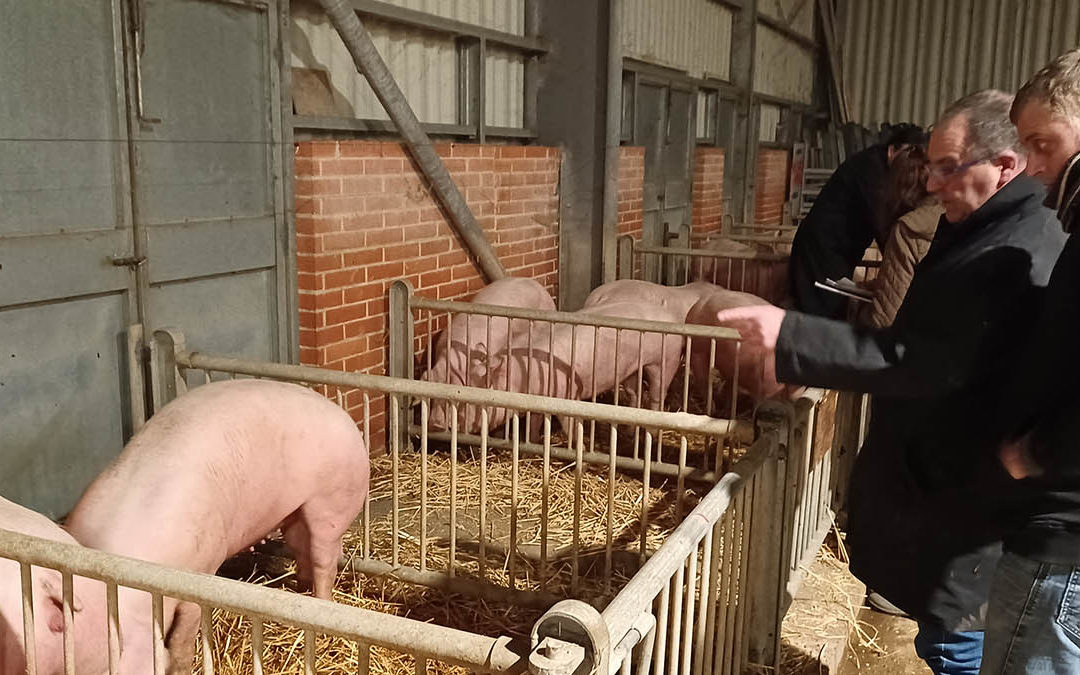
{"x":1012,"y":164}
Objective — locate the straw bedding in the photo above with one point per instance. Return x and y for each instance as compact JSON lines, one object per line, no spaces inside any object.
{"x":283,"y":646}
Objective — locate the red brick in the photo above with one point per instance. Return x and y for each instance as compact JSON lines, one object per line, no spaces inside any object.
{"x":363,"y":293}
{"x":465,"y":150}
{"x":337,"y":241}
{"x":342,"y":350}
{"x":389,"y":270}
{"x":360,"y":258}
{"x":436,"y":246}
{"x":363,"y":327}
{"x":361,"y":221}
{"x":345,"y":278}
{"x":436,"y":277}
{"x":345,"y":314}
{"x":362,"y":184}
{"x":401,"y":252}
{"x":327,"y":336}
{"x":383,"y":166}
{"x":360,"y":149}
{"x":317,"y":149}
{"x":393,"y":235}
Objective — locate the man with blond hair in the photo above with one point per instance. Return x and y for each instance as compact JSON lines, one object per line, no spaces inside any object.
{"x":1033,"y":622}
{"x":925,"y":520}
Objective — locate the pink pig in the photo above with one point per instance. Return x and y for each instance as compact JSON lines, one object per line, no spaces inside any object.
{"x":88,"y":605}
{"x":470,"y":336}
{"x":565,"y":361}
{"x":212,"y":473}
{"x":678,"y":299}
{"x":757,"y":371}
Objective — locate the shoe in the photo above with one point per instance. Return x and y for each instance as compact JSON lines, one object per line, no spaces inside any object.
{"x":878,"y":602}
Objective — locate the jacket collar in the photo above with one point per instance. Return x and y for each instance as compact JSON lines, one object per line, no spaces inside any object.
{"x":1013,"y":196}
{"x":1064,"y":197}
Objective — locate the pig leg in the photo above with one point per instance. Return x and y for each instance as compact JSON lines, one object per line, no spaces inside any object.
{"x":181,"y":638}
{"x":297,"y":537}
{"x":325,"y":529}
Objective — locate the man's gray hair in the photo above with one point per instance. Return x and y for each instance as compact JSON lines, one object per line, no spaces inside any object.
{"x":990,"y":132}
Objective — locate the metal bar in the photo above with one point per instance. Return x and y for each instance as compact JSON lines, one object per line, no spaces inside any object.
{"x":545,"y":507}
{"x":257,"y":646}
{"x":654,"y":574}
{"x":29,"y":635}
{"x":452,"y":557}
{"x":683,"y":422}
{"x":363,"y":658}
{"x":161,"y":663}
{"x":309,"y":652}
{"x":677,"y":591}
{"x":512,"y":547}
{"x":578,"y":477}
{"x":424,"y":404}
{"x":112,"y":608}
{"x":576,"y":318}
{"x":706,"y":614}
{"x":69,"y":623}
{"x":395,"y":471}
{"x":483,"y":491}
{"x":354,"y":623}
{"x":206,"y":638}
{"x":526,"y":44}
{"x":612,"y":134}
{"x":371,"y":64}
{"x":625,"y":464}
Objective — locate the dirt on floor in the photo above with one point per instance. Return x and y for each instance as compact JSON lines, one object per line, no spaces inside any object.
{"x":830,"y":630}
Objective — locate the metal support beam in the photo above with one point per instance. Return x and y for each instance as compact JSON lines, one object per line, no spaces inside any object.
{"x":740,"y":170}
{"x":612,"y":133}
{"x":576,"y":71}
{"x":370,"y":63}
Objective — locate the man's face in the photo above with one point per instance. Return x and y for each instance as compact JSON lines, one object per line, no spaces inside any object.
{"x":1050,"y":141}
{"x":962,"y":183}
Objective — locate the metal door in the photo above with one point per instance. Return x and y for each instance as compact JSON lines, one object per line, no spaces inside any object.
{"x":141,"y":171}
{"x":64,"y":217}
{"x":663,"y":120}
{"x":208,"y":183}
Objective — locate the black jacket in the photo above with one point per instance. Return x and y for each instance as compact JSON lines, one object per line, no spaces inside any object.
{"x":831,"y":240}
{"x":924,"y":528}
{"x":1044,"y":403}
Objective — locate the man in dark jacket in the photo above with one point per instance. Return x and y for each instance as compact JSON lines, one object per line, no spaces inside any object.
{"x":844,"y":219}
{"x":924,"y":526}
{"x":1033,"y":622}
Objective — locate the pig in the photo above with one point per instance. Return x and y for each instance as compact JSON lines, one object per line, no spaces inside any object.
{"x":679,"y":299}
{"x":540,"y":362}
{"x":757,"y":371}
{"x":212,"y":473}
{"x":748,"y":267}
{"x":88,"y":605}
{"x":472,"y":337}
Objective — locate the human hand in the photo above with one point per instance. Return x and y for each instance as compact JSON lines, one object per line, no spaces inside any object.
{"x":758,"y":325}
{"x":1015,"y":456}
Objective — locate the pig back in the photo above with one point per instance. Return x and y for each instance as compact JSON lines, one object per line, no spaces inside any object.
{"x":218,"y":468}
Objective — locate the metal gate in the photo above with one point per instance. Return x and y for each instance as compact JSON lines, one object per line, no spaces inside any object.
{"x":141,"y":182}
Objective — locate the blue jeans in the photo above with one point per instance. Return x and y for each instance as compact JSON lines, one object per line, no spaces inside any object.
{"x":949,"y":653}
{"x":1033,"y":623}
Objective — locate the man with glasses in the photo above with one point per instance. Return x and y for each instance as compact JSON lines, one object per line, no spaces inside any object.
{"x":925,"y":521}
{"x":1033,"y":624}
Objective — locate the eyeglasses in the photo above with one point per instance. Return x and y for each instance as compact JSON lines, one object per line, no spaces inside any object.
{"x":943,"y":173}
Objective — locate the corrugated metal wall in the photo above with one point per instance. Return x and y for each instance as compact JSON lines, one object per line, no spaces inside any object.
{"x":905,"y":60}
{"x":424,"y":64}
{"x":689,"y":35}
{"x":795,"y":14}
{"x":784,"y":68}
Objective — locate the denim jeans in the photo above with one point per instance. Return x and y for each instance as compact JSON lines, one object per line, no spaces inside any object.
{"x":1033,"y":623}
{"x":949,"y":653}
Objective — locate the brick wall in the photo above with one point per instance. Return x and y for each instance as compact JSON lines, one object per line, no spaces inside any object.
{"x":771,"y":186}
{"x":707,"y":209}
{"x":631,"y":184}
{"x":366,"y":217}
